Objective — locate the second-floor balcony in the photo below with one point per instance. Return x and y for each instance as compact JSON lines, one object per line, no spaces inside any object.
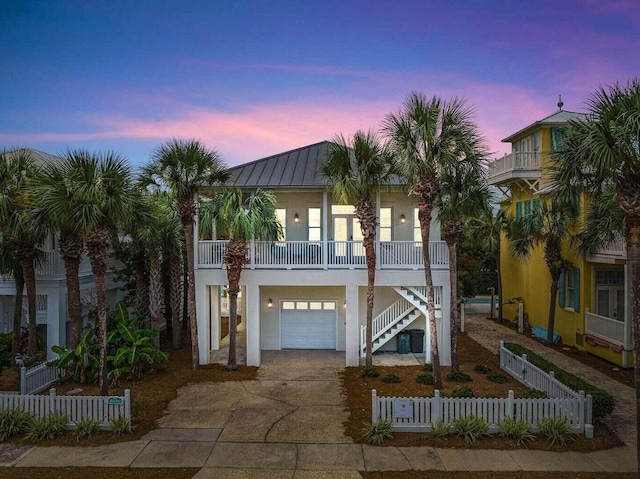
{"x":517,"y":165}
{"x":615,"y":251}
{"x":326,"y":255}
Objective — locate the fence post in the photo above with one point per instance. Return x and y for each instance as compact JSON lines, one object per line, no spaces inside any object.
{"x":436,"y":414}
{"x":23,"y":380}
{"x":589,"y":410}
{"x":510,"y":409}
{"x":127,"y":406}
{"x":374,"y":401}
{"x":581,"y":408}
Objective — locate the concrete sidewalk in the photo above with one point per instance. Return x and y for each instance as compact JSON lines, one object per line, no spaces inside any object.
{"x":288,"y":423}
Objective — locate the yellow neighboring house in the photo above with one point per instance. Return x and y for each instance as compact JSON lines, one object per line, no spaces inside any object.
{"x":593,"y":306}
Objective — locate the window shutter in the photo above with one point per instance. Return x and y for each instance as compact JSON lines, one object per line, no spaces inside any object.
{"x":576,"y":289}
{"x":561,"y":290}
{"x":527,"y":207}
{"x":536,"y":204}
{"x":518,"y":209}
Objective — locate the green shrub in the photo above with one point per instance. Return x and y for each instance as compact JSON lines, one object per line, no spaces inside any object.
{"x":458,"y":376}
{"x":424,"y":378}
{"x":482,"y":369}
{"x":13,"y":421}
{"x":428,"y":367}
{"x":86,"y":427}
{"x":535,"y":394}
{"x":491,"y":396}
{"x":463,"y":392}
{"x":470,"y":427}
{"x":391,"y":378}
{"x":516,"y":430}
{"x":371,"y":372}
{"x":556,"y":429}
{"x":120,"y":425}
{"x":47,"y":427}
{"x":376,"y":432}
{"x":497,"y":378}
{"x":440,"y":428}
{"x":6,"y":358}
{"x":603,"y":402}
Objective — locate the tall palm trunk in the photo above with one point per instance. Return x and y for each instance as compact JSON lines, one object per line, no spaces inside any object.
{"x":451,"y":240}
{"x":26,"y":263}
{"x":235,"y":257}
{"x":71,"y":247}
{"x":552,"y":258}
{"x":499,"y":273}
{"x":191,"y":285}
{"x":175,"y":297}
{"x":97,"y":248}
{"x":18,"y":279}
{"x":155,"y":295}
{"x":366,"y":213}
{"x":425,"y":209}
{"x":142,"y":282}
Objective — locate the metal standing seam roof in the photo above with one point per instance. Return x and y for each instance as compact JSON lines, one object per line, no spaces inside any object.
{"x":294,"y":168}
{"x":40,"y":157}
{"x":560,"y":117}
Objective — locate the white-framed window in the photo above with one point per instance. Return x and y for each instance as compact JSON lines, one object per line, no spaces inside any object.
{"x":281,"y":216}
{"x":385,"y":224}
{"x":570,"y":288}
{"x":315,"y":224}
{"x":417,"y":235}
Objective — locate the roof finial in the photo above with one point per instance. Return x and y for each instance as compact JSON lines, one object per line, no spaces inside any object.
{"x":560,"y":104}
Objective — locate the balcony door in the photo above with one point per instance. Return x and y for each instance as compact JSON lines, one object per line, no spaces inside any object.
{"x":348,"y":238}
{"x":610,"y":302}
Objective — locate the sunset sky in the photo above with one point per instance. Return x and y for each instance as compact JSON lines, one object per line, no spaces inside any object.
{"x":255,"y":78}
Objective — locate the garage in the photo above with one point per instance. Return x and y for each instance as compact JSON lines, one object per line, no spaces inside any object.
{"x":308,"y":324}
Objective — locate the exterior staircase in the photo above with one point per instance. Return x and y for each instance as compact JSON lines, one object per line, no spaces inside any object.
{"x":410,"y":306}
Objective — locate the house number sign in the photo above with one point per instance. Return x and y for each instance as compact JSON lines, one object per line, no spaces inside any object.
{"x":402,"y":408}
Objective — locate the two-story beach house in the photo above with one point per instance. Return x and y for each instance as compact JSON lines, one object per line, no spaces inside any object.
{"x":51,"y":288}
{"x":308,"y":291}
{"x":593,"y":307}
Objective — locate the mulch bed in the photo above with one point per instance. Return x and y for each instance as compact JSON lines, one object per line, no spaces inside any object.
{"x":357,"y":393}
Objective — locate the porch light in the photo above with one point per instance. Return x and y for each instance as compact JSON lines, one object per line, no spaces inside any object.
{"x":345,"y":304}
{"x":403,"y":218}
{"x":296,"y":218}
{"x":269,"y":303}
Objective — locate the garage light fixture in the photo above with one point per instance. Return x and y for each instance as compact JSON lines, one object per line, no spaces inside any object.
{"x":345,"y":304}
{"x":269,"y":303}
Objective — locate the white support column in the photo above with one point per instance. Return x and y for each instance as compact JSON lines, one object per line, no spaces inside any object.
{"x":55,"y":317}
{"x":325,"y":229}
{"x":251,"y":315}
{"x":204,"y":320}
{"x":444,"y":334}
{"x":377,"y":244}
{"x":352,"y":329}
{"x":214,"y":322}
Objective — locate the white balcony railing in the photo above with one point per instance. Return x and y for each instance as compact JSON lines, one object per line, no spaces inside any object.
{"x":52,"y":264}
{"x":608,"y":329}
{"x":325,"y":255}
{"x":517,"y":161}
{"x":616,"y":248}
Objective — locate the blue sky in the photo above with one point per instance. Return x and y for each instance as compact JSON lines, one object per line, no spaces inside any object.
{"x":257,"y":78}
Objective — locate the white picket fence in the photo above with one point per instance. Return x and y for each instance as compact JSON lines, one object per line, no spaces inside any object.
{"x":38,"y":378}
{"x":100,"y":408}
{"x":533,"y":377}
{"x":417,"y":414}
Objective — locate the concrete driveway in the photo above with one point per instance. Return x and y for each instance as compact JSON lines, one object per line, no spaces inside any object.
{"x":296,"y":399}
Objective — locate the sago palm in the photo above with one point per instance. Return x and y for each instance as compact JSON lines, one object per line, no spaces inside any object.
{"x":245,"y":217}
{"x":602,"y":153}
{"x":185,"y":167}
{"x":430,"y":137}
{"x":356,"y":170}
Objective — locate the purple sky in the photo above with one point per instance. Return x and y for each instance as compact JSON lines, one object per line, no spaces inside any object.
{"x":257,"y":78}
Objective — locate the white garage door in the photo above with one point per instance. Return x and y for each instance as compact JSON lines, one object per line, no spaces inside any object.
{"x":308,"y":324}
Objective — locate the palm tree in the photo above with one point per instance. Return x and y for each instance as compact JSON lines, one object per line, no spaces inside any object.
{"x":357,"y":170}
{"x":22,"y":235}
{"x":173,"y":246}
{"x":487,"y":228}
{"x":430,"y":137}
{"x":9,"y":265}
{"x":548,"y":226}
{"x":245,"y":218}
{"x":105,"y":198}
{"x":185,"y":167}
{"x":53,"y":211}
{"x":464,"y":195}
{"x":601,"y":154}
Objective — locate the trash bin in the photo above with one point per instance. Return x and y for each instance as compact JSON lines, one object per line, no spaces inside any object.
{"x":404,"y":342}
{"x":417,"y":340}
